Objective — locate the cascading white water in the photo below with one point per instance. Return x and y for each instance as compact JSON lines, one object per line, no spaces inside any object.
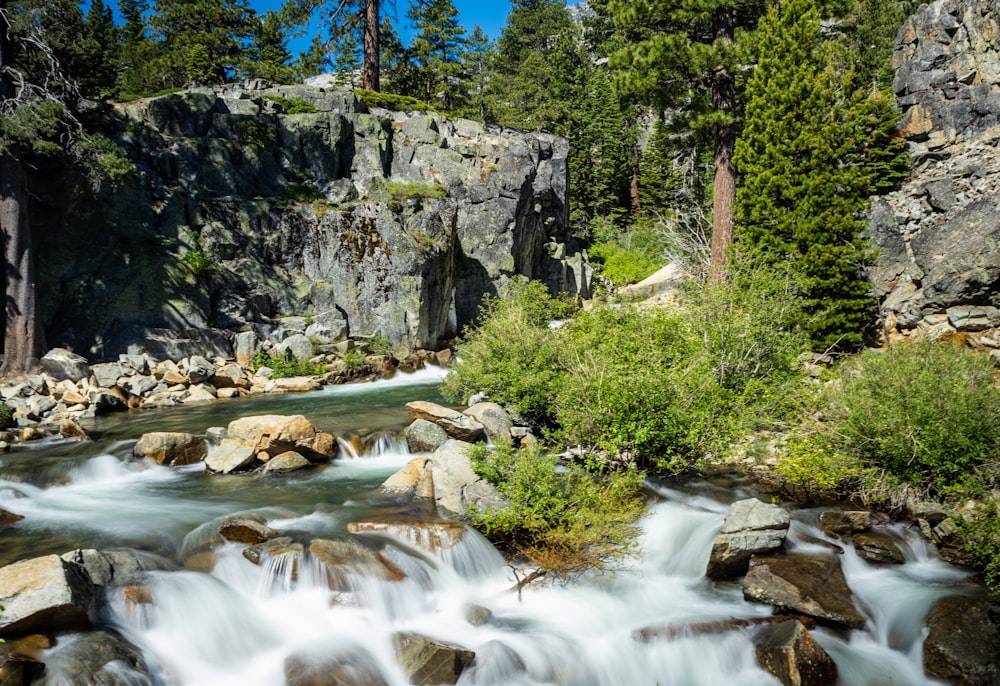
{"x":243,"y":623}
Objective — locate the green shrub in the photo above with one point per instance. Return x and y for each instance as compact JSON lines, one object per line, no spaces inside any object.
{"x":564,"y":521}
{"x":198,"y":261}
{"x":414,"y":190}
{"x":622,"y":265}
{"x":379,"y":344}
{"x":390,"y":101}
{"x":353,"y":359}
{"x":6,"y":417}
{"x":284,"y":368}
{"x":301,"y":193}
{"x":255,"y":133}
{"x":291,"y":105}
{"x":979,"y":528}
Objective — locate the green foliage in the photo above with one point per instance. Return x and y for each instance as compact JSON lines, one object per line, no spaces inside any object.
{"x":629,"y":257}
{"x":379,"y":344}
{"x":284,"y":368}
{"x":389,"y":101}
{"x":436,"y":50}
{"x":198,"y":261}
{"x":979,"y":529}
{"x":255,"y":133}
{"x":401,"y":190}
{"x":566,"y":522}
{"x":291,"y":105}
{"x":6,"y":417}
{"x":928,"y":414}
{"x":301,"y":193}
{"x":353,"y":359}
{"x":267,"y":56}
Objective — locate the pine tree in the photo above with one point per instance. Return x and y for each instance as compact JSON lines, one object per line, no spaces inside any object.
{"x":436,"y":49}
{"x":476,"y":75}
{"x":660,"y":180}
{"x":102,"y":49}
{"x":203,"y":39}
{"x":138,"y":71}
{"x":807,"y":171}
{"x":267,"y":57}
{"x":344,"y":16}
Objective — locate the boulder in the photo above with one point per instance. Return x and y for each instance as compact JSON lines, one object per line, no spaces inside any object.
{"x":811,"y":585}
{"x":423,"y":436}
{"x":200,"y":393}
{"x":97,"y":657}
{"x":426,"y":662}
{"x":110,"y":567}
{"x":246,"y":531}
{"x":298,"y":346}
{"x":787,"y":651}
{"x":456,"y":484}
{"x":230,"y":376}
{"x":231,"y":456}
{"x":840,"y":523}
{"x":105,"y":401}
{"x":281,"y":547}
{"x":457,"y":425}
{"x":751,"y":527}
{"x":297,"y":384}
{"x":106,"y":374}
{"x":288,"y":461}
{"x":275,"y":434}
{"x":21,"y":660}
{"x":197,"y":369}
{"x":494,"y":419}
{"x":963,"y":643}
{"x":170,"y":448}
{"x":62,"y":364}
{"x":245,"y":345}
{"x":430,"y":535}
{"x":876,"y":546}
{"x":8,"y":518}
{"x":343,"y":558}
{"x":333,"y":668}
{"x":414,"y":480}
{"x":45,"y":594}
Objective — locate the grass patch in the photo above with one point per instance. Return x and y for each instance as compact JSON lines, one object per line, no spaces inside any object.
{"x":291,"y":105}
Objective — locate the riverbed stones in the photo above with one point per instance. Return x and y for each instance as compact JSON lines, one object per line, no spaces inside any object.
{"x":431,"y":535}
{"x":272,"y":435}
{"x":877,"y":546}
{"x":427,"y":662}
{"x":45,"y":594}
{"x":97,"y":657}
{"x":788,"y":652}
{"x":456,"y":484}
{"x":457,"y":425}
{"x":841,"y":523}
{"x":170,"y":448}
{"x":963,"y":643}
{"x":247,"y":531}
{"x":108,"y":567}
{"x":232,"y":455}
{"x":751,"y":527}
{"x":494,"y":418}
{"x":8,"y":518}
{"x":414,"y":480}
{"x":423,"y":436}
{"x":340,"y":559}
{"x":329,"y":668}
{"x":288,"y":461}
{"x":63,"y":364}
{"x":811,"y":585}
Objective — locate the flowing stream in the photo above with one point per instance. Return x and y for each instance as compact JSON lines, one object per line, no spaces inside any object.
{"x":240,"y":623}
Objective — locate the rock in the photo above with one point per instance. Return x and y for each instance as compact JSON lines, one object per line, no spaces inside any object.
{"x":432,"y":536}
{"x":245,"y":345}
{"x":751,"y":527}
{"x":840,"y":523}
{"x":876,"y":546}
{"x":343,"y":558}
{"x":70,"y":428}
{"x":328,"y":327}
{"x":281,"y":547}
{"x":333,"y":668}
{"x":456,"y":424}
{"x":197,"y":369}
{"x":298,"y":346}
{"x":456,"y":485}
{"x":8,"y":518}
{"x":415,"y":480}
{"x":297,"y":384}
{"x":812,"y":585}
{"x":423,"y":436}
{"x":62,"y":364}
{"x":21,"y":660}
{"x":106,"y":374}
{"x":477,"y":615}
{"x":288,"y":461}
{"x":494,"y":419}
{"x":170,"y":448}
{"x":231,"y":456}
{"x":229,"y":376}
{"x":45,"y":594}
{"x":963,"y":644}
{"x":246,"y":531}
{"x":101,"y":658}
{"x":787,"y":651}
{"x":426,"y":662}
{"x":200,"y":393}
{"x":275,"y":434}
{"x":108,"y":567}
{"x":105,"y":402}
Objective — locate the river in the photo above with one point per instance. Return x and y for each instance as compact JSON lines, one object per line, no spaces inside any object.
{"x":240,"y":623}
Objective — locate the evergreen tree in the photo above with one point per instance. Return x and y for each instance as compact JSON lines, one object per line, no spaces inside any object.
{"x":102,"y":49}
{"x":138,"y":72}
{"x":314,"y":60}
{"x":476,"y":75}
{"x":203,"y":39}
{"x":345,"y":16}
{"x":660,"y":180}
{"x":436,"y":49}
{"x":267,"y":57}
{"x":870,"y":36}
{"x":807,"y":172}
{"x":348,"y":56}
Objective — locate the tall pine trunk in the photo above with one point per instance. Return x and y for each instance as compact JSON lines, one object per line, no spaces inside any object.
{"x":24,"y":341}
{"x":370,"y":69}
{"x":724,"y":141}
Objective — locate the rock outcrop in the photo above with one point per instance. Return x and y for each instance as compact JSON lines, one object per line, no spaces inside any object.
{"x":751,"y":527}
{"x":244,"y":210}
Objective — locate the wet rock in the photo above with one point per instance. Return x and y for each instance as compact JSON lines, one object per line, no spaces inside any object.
{"x":105,"y":401}
{"x":297,"y":384}
{"x":21,"y":660}
{"x":423,"y":436}
{"x":477,"y":615}
{"x":109,"y":567}
{"x":343,"y":558}
{"x":45,"y":594}
{"x":840,"y":523}
{"x":70,"y":428}
{"x":171,"y":448}
{"x":457,"y":425}
{"x":876,"y":546}
{"x":494,"y":419}
{"x":751,"y":527}
{"x":432,"y":536}
{"x":963,"y":645}
{"x":414,"y":480}
{"x":288,"y":461}
{"x":357,"y":668}
{"x":787,"y":651}
{"x":456,"y":484}
{"x":812,"y":585}
{"x":206,"y":560}
{"x":231,"y":456}
{"x":101,"y":658}
{"x":276,"y":547}
{"x":275,"y":434}
{"x":246,"y":531}
{"x":496,"y":663}
{"x":8,"y":518}
{"x":426,"y":662}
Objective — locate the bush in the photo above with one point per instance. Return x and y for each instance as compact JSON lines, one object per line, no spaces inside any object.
{"x":284,"y":368}
{"x":928,"y":414}
{"x":379,"y":344}
{"x":564,"y":521}
{"x":416,"y":189}
{"x":291,"y":105}
{"x":353,"y":359}
{"x":6,"y":417}
{"x":391,"y":101}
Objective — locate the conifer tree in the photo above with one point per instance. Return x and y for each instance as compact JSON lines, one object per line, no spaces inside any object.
{"x":660,"y":181}
{"x":342,"y":16}
{"x":436,"y":48}
{"x":267,"y":57}
{"x":203,"y":39}
{"x":807,"y":171}
{"x":476,"y":74}
{"x":102,"y":48}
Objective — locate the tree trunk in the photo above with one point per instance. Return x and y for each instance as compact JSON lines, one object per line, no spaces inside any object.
{"x":724,"y":141}
{"x":24,"y":342}
{"x":370,"y":69}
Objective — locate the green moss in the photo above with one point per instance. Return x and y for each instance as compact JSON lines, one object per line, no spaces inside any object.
{"x":393,"y":102}
{"x":291,"y":105}
{"x":399,"y":190}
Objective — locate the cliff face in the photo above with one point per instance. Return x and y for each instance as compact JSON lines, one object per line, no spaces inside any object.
{"x":939,"y":234}
{"x":251,"y":205}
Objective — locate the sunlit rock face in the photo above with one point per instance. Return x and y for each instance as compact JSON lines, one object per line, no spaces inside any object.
{"x":248,"y":205}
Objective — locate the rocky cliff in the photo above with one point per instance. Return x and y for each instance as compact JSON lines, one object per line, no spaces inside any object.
{"x":939,"y":234}
{"x":250,"y":205}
